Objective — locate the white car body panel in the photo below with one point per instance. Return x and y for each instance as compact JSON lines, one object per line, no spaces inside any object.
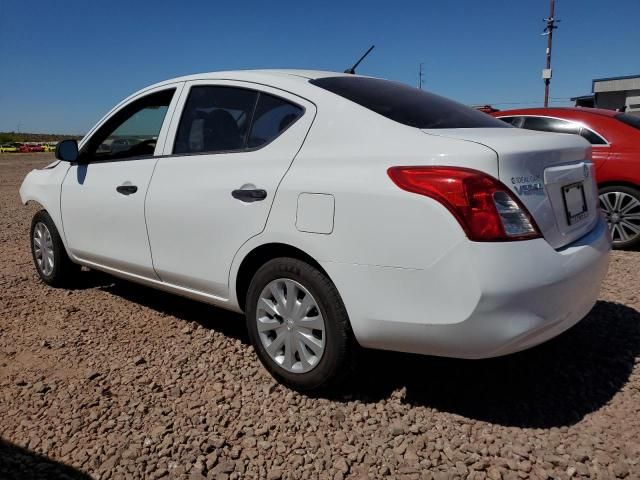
{"x":115,"y":234}
{"x":43,"y":187}
{"x":410,"y":278}
{"x":217,"y":224}
{"x":480,"y":300}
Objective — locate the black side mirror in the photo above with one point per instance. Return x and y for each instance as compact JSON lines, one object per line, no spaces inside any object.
{"x":67,"y":151}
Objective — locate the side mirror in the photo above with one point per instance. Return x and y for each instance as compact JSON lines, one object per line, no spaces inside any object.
{"x":67,"y":151}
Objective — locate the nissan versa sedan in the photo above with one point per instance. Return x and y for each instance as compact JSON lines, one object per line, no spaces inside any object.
{"x":615,"y":138}
{"x":336,"y":211}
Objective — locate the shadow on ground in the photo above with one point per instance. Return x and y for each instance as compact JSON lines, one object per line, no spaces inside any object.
{"x":17,"y":463}
{"x":554,"y":384}
{"x":228,"y":323}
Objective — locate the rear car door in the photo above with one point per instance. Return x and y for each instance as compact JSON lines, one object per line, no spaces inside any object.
{"x":102,"y":197}
{"x":224,"y":158}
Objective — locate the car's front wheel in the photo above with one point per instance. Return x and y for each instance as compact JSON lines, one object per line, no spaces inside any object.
{"x":621,"y":206}
{"x":299,"y":326}
{"x":49,"y":255}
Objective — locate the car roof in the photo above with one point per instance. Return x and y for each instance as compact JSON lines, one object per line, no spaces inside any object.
{"x":275,"y":75}
{"x":557,"y":111}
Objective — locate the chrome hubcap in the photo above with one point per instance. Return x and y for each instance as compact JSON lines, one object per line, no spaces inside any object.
{"x":43,"y":248}
{"x":290,"y":325}
{"x":623,"y":215}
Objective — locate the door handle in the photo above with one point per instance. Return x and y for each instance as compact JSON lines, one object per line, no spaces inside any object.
{"x":126,"y":189}
{"x":249,"y":195}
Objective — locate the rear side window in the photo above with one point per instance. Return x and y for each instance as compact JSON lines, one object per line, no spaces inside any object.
{"x":273,"y":116}
{"x":630,"y":120}
{"x":215,"y":119}
{"x":554,"y":125}
{"x":228,"y":119}
{"x":407,"y":105}
{"x":592,"y":137}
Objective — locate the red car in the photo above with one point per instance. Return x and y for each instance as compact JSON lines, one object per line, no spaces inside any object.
{"x":24,"y":148}
{"x":615,"y":138}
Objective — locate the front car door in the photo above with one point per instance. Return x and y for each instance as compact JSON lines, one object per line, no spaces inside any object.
{"x":225,"y":155}
{"x":102,"y":196}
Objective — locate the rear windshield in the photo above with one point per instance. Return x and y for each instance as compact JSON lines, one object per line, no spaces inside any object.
{"x":407,"y":105}
{"x":631,"y":120}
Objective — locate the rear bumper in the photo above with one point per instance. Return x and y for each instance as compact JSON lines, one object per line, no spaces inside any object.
{"x":478,"y":300}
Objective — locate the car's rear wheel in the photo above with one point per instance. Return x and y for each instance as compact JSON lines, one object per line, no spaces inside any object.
{"x":299,"y":326}
{"x":49,"y":255}
{"x":621,"y":206}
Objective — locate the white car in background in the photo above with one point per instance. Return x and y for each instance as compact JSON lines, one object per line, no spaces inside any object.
{"x":334,"y":211}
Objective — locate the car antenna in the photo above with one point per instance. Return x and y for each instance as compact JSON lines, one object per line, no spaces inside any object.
{"x":352,"y":70}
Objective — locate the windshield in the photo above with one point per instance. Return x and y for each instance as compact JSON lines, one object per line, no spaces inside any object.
{"x":407,"y":105}
{"x":630,"y":120}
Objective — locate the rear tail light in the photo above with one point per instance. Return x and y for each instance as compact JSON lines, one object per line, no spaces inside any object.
{"x":485,"y":208}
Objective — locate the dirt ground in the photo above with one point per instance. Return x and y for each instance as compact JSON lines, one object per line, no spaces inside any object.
{"x":115,"y":380}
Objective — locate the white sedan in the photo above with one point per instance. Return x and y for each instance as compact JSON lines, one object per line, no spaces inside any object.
{"x":335,"y":211}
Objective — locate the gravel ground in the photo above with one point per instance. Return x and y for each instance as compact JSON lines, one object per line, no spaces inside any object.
{"x":115,"y":380}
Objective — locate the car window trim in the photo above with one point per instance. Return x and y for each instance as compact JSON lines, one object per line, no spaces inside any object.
{"x":580,"y":124}
{"x":177,"y":87}
{"x":187,"y":92}
{"x":258,"y":87}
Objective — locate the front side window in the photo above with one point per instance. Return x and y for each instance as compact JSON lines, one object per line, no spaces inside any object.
{"x":215,"y":119}
{"x":407,"y":105}
{"x":631,"y":120}
{"x":132,"y":131}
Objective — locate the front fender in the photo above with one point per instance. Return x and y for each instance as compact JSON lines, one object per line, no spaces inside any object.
{"x":43,"y":186}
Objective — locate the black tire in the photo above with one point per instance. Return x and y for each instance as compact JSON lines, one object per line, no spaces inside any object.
{"x":618,"y":243}
{"x":64,"y":272}
{"x":338,"y":358}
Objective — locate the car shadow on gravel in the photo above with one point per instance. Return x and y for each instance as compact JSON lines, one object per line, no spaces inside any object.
{"x":17,"y":463}
{"x":226,"y":322}
{"x":552,"y":385}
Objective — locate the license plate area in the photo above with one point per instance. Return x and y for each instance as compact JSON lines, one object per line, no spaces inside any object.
{"x":575,"y":203}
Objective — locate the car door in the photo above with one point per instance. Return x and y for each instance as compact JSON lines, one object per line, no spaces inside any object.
{"x":224,"y":158}
{"x":102,"y":197}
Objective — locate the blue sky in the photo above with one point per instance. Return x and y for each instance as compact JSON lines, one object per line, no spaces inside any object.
{"x":65,"y":63}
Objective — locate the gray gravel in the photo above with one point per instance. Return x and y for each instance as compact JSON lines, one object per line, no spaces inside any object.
{"x":115,"y":380}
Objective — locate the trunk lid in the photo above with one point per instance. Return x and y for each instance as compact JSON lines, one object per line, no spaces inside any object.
{"x":551,"y":173}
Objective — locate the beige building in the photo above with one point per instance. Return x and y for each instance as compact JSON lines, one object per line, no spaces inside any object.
{"x":614,"y":93}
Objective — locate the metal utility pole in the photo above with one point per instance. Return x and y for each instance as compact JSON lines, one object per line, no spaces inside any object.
{"x":551,"y":26}
{"x":420,"y":75}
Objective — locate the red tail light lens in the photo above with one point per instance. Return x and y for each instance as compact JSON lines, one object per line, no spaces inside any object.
{"x":485,"y":208}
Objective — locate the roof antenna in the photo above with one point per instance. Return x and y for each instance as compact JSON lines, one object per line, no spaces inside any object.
{"x":352,"y":70}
